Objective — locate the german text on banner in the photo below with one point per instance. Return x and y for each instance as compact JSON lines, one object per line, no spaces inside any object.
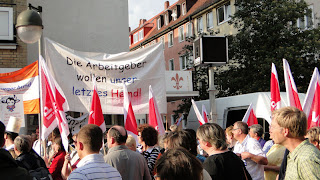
{"x":54,"y":105}
{"x":274,"y":89}
{"x":25,"y":82}
{"x":292,"y":92}
{"x":311,"y":105}
{"x":75,"y":70}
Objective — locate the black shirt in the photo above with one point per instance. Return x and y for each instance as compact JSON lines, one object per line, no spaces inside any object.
{"x":227,"y":166}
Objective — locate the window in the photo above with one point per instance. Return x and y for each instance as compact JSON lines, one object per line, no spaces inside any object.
{"x":199,"y":25}
{"x":159,"y":23}
{"x":6,"y":23}
{"x":183,"y":62}
{"x":181,"y":33}
{"x":170,"y":39}
{"x":307,"y":21}
{"x":189,"y":30}
{"x":171,"y":65}
{"x":209,"y":20}
{"x":166,"y":19}
{"x":184,"y":9}
{"x":140,"y":34}
{"x":223,"y":13}
{"x":135,"y":38}
{"x":162,"y":41}
{"x":174,"y":14}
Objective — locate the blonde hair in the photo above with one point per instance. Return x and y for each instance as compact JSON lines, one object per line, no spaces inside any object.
{"x":131,"y":141}
{"x":292,"y":119}
{"x":214,"y":134}
{"x":313,"y":134}
{"x":229,"y":131}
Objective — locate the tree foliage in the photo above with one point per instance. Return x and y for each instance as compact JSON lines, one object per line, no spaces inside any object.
{"x":267,"y":33}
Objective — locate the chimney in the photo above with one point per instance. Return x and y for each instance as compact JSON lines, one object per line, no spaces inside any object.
{"x":141,"y":22}
{"x":166,"y":5}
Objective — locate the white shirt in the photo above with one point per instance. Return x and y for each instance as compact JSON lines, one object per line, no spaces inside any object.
{"x":10,"y":147}
{"x":252,"y":146}
{"x":93,"y":167}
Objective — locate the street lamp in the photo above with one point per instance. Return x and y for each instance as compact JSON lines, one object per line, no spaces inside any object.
{"x":29,"y":25}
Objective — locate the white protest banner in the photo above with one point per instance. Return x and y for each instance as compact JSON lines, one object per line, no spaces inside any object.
{"x":23,"y":81}
{"x":75,"y":124}
{"x":74,"y":71}
{"x":11,"y":105}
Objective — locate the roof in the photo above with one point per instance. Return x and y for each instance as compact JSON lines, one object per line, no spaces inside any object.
{"x":196,"y":8}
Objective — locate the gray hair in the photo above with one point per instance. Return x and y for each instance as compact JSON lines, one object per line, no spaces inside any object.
{"x":257,"y":128}
{"x":23,"y":143}
{"x":214,"y":134}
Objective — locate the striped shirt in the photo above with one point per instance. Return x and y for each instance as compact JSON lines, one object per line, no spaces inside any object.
{"x":151,"y":155}
{"x":93,"y":167}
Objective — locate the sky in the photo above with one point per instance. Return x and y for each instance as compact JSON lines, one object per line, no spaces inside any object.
{"x":144,"y":9}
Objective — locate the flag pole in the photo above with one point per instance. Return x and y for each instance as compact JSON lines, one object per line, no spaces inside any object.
{"x":40,"y":98}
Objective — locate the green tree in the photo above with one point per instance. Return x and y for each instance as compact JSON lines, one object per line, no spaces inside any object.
{"x":267,"y":33}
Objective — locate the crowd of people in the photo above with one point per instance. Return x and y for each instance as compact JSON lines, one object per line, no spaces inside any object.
{"x":210,"y":152}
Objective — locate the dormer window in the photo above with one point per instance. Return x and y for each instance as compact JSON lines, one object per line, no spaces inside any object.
{"x":184,"y":8}
{"x":174,"y":14}
{"x":159,"y":23}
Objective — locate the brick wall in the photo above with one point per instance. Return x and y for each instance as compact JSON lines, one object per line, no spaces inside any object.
{"x":14,"y":58}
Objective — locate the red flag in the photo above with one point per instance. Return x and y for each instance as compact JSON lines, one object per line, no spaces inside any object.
{"x":274,"y":89}
{"x":204,"y":114}
{"x":130,"y":122}
{"x":311,"y":105}
{"x":292,"y":92}
{"x":250,"y":118}
{"x":154,"y":114}
{"x":54,"y":105}
{"x":196,"y":110}
{"x":96,"y":115}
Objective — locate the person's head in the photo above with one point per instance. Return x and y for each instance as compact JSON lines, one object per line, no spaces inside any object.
{"x":193,"y":141}
{"x":178,"y":163}
{"x":211,"y":135}
{"x":313,"y":135}
{"x":174,"y":128}
{"x":256,"y":131}
{"x":55,"y":133}
{"x":37,"y":132}
{"x":131,"y":143}
{"x":57,"y":144}
{"x":89,"y":140}
{"x":2,"y":130}
{"x":117,"y":135}
{"x":148,"y":135}
{"x":229,"y":135}
{"x":288,"y":122}
{"x":22,"y":144}
{"x":10,"y":137}
{"x":181,"y":139}
{"x":240,"y":130}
